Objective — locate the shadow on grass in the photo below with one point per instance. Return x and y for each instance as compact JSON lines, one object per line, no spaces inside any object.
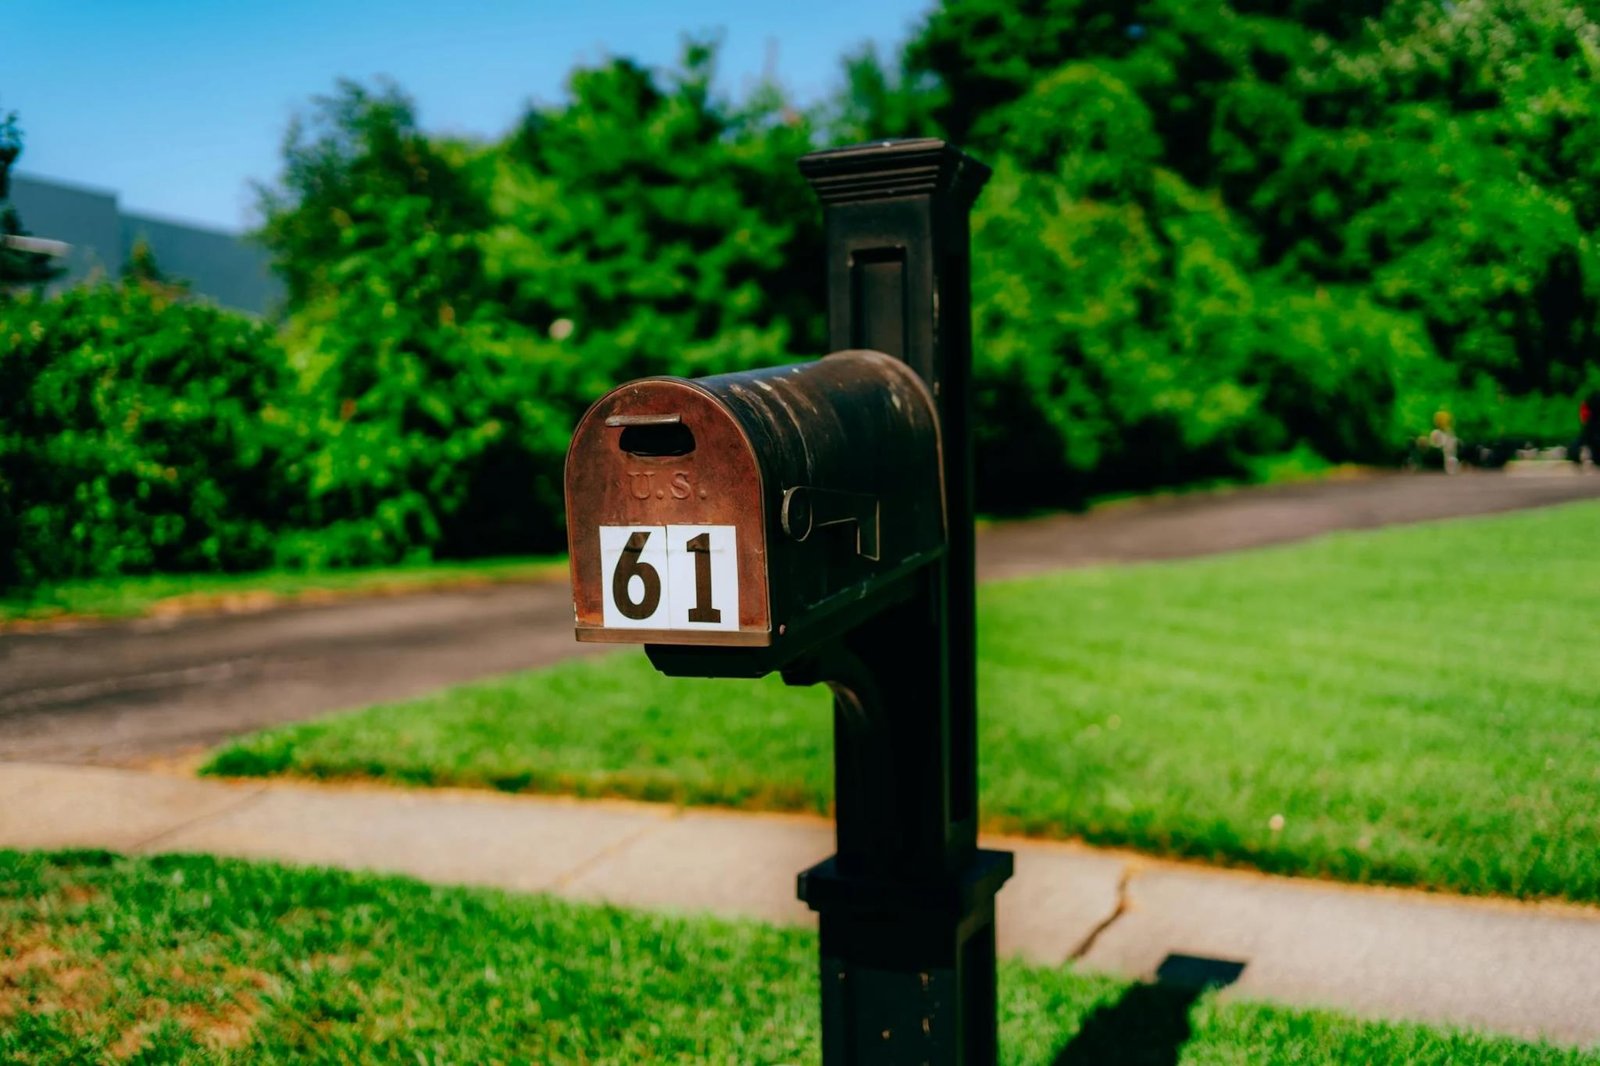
{"x":1149,"y":1025}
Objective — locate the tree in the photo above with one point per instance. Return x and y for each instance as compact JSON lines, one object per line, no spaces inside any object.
{"x":665,"y":228}
{"x":880,"y":99}
{"x":454,"y":307}
{"x":355,"y":157}
{"x":375,"y":229}
{"x":1383,"y":163}
{"x":1447,"y":164}
{"x":142,"y":270}
{"x":1128,"y":337}
{"x":984,"y":54}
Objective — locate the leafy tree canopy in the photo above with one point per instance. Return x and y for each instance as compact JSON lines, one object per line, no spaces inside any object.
{"x":453,"y":307}
{"x":1215,"y":233}
{"x":1190,"y":195}
{"x":664,"y":227}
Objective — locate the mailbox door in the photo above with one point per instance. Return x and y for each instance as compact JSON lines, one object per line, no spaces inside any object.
{"x":666,"y":521}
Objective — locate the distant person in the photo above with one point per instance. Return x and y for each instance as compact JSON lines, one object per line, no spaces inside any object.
{"x":1587,"y":450}
{"x":1444,"y":438}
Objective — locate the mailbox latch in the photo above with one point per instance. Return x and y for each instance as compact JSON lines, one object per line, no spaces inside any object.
{"x":806,"y":508}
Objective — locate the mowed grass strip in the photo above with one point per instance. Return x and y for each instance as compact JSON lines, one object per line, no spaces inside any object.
{"x":127,"y":597}
{"x":1415,"y":706}
{"x":198,"y":960}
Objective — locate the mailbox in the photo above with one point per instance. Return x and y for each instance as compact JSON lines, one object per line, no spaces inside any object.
{"x":762,"y":509}
{"x":816,"y":519}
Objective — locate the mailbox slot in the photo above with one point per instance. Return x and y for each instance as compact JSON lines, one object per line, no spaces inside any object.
{"x":653,"y":436}
{"x":757,"y":509}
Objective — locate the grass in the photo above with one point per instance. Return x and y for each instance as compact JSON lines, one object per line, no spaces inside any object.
{"x":191,"y":959}
{"x":1414,"y":706}
{"x":127,"y":597}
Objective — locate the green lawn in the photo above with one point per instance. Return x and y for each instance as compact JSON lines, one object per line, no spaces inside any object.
{"x":200,"y":960}
{"x":1413,"y":706}
{"x":125,"y":597}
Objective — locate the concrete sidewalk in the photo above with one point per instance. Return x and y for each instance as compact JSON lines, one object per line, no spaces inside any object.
{"x":1525,"y":969}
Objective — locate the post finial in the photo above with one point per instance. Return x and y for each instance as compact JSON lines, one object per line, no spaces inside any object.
{"x":886,"y":170}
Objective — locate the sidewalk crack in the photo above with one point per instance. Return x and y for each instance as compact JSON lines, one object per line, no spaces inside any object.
{"x":1121,"y":908}
{"x":610,"y":851}
{"x":190,"y":823}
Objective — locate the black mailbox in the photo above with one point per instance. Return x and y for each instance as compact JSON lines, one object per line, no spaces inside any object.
{"x":764,"y":509}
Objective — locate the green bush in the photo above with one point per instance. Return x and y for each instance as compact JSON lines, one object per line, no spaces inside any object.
{"x":1216,"y":233}
{"x":136,"y":435}
{"x":1123,"y":319}
{"x":402,"y":384}
{"x":666,"y":229}
{"x":454,"y":308}
{"x":1220,"y":231}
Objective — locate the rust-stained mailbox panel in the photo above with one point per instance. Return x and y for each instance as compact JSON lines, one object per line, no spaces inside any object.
{"x":759,"y":509}
{"x":664,"y":498}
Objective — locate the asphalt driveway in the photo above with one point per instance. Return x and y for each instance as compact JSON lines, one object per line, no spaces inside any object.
{"x":132,"y":691}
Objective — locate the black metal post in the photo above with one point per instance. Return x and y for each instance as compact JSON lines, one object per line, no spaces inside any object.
{"x":906,"y":906}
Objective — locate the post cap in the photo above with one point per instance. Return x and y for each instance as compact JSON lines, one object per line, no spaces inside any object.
{"x":886,"y":170}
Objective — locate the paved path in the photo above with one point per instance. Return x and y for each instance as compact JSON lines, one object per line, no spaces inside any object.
{"x":1523,"y":969}
{"x":1211,"y":522}
{"x":123,"y":693}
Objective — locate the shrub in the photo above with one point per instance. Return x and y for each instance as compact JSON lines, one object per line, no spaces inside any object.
{"x":453,"y":307}
{"x":1127,"y":336}
{"x":136,"y":435}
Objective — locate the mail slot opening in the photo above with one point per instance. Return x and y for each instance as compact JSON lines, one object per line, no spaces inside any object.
{"x":657,"y":441}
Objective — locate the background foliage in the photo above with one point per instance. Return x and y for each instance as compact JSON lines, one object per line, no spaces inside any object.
{"x":454,"y":307}
{"x":1216,"y":233}
{"x":136,"y":435}
{"x":1219,"y":230}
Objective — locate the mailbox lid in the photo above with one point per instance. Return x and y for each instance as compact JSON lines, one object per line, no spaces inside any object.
{"x":666,"y":521}
{"x":858,"y":422}
{"x":855,"y":433}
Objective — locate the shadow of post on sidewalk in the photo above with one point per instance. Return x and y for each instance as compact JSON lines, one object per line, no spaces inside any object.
{"x":1149,"y":1025}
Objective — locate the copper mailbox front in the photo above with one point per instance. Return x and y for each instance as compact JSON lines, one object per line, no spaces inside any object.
{"x":666,"y":521}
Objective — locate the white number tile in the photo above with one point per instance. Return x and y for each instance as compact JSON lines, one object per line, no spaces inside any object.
{"x":666,"y":585}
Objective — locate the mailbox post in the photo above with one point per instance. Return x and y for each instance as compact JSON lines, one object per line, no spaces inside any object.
{"x":907,"y":904}
{"x":817,"y":520}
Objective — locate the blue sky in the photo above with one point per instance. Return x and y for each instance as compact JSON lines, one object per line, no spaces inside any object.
{"x":177,"y":104}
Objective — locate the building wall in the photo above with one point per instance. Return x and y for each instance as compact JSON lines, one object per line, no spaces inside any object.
{"x":85,"y":218}
{"x":226,"y":268}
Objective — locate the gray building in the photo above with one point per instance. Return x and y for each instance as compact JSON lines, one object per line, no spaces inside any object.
{"x":226,"y":268}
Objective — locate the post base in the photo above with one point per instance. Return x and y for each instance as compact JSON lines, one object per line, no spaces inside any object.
{"x":908,"y":967}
